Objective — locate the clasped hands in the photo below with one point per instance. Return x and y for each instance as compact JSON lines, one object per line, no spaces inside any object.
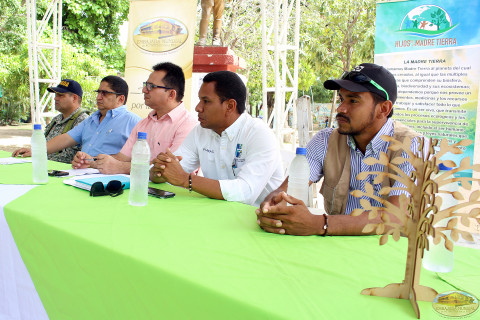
{"x":167,"y":168}
{"x":275,"y":216}
{"x":105,"y":163}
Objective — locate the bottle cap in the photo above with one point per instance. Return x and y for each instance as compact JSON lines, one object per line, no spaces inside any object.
{"x":37,"y":126}
{"x":142,"y":135}
{"x":441,"y":166}
{"x":302,"y":151}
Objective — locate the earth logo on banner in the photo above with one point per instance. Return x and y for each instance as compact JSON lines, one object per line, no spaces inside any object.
{"x":160,"y":35}
{"x":427,"y":21}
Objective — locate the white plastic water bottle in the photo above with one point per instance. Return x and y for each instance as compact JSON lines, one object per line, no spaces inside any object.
{"x":39,"y":155}
{"x":139,"y":171}
{"x":298,"y":176}
{"x":438,"y":258}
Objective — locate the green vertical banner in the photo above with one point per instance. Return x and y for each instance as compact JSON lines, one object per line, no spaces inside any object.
{"x":433,"y":49}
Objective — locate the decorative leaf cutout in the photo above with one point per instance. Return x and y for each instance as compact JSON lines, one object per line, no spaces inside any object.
{"x":452,"y":223}
{"x":357,"y":193}
{"x":466,"y":185}
{"x":466,"y":235}
{"x":437,"y":238}
{"x":380,"y":228}
{"x":449,"y":163}
{"x":449,"y":245}
{"x":372,"y":214}
{"x":458,"y":196}
{"x":362,"y":175}
{"x":379,"y":178}
{"x":385,"y":217}
{"x":465,"y":162}
{"x":369,"y":228}
{"x":371,"y":161}
{"x":356,"y":212}
{"x":474,"y":196}
{"x":383,"y":239}
{"x":438,"y":201}
{"x":465,"y":221}
{"x":398,"y":160}
{"x":464,"y":142}
{"x":396,"y":234}
{"x":474,"y":213}
{"x":384,"y":191}
{"x":394,"y":147}
{"x":365,"y":204}
{"x":407,"y":142}
{"x":454,"y":235}
{"x":383,"y":158}
{"x":369,"y":188}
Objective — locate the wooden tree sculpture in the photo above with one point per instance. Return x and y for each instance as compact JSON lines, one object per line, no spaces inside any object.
{"x":419,"y":213}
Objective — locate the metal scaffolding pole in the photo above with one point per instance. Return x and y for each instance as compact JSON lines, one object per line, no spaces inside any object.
{"x":45,"y":57}
{"x":280,"y":39}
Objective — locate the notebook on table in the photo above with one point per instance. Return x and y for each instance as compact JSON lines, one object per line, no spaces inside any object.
{"x":85,"y":182}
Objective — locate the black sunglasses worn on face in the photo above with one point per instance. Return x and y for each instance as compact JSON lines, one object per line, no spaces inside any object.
{"x":359,"y":77}
{"x":114,"y":188}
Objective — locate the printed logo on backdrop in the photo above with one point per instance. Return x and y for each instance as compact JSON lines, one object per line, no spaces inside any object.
{"x":455,"y":304}
{"x":160,"y":35}
{"x":428,"y":22}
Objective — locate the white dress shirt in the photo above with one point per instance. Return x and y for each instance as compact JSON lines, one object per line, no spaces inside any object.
{"x":245,"y":159}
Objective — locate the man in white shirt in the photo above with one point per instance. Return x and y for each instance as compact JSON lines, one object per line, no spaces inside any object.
{"x":239,"y":155}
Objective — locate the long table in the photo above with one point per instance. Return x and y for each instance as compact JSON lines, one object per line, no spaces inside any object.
{"x":190,"y":257}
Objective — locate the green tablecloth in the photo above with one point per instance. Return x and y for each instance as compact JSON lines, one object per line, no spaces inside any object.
{"x":21,"y":173}
{"x":190,"y":257}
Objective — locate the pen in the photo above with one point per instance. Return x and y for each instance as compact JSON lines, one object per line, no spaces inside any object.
{"x":91,"y":159}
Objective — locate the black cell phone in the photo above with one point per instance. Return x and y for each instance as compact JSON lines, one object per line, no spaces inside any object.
{"x":158,"y":193}
{"x":57,"y":173}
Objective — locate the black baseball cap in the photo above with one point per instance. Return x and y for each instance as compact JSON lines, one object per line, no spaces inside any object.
{"x":67,"y":85}
{"x":353,"y":81}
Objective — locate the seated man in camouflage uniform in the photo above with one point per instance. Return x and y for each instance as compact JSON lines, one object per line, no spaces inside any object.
{"x":68,"y":97}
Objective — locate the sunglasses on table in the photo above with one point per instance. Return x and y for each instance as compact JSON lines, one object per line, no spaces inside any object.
{"x":359,"y":77}
{"x":114,"y":188}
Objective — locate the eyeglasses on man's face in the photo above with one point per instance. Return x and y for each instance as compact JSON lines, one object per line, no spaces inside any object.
{"x":150,"y":86}
{"x":359,"y":77}
{"x":103,"y":93}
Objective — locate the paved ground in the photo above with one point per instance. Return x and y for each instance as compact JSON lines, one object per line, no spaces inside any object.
{"x":14,"y":137}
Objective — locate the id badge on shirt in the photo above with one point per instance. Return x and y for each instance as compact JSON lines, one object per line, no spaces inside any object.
{"x":238,"y":161}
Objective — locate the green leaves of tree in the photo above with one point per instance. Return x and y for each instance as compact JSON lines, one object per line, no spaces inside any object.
{"x":93,"y":27}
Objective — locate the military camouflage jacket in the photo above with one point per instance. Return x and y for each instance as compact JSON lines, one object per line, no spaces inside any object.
{"x":55,"y":128}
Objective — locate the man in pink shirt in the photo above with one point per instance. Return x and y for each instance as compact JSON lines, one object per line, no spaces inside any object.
{"x":166,"y":125}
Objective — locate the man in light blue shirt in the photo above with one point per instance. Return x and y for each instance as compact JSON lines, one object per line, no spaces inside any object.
{"x":107,"y":129}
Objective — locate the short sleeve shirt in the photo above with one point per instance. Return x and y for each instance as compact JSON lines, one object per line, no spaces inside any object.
{"x":317,"y":150}
{"x":55,"y":128}
{"x":168,"y":131}
{"x":108,"y":136}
